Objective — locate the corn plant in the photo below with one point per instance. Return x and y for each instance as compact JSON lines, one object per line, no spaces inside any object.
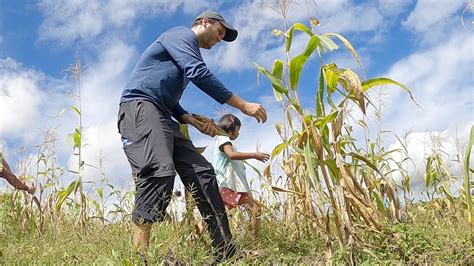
{"x":76,"y":139}
{"x":329,"y":177}
{"x":469,"y":184}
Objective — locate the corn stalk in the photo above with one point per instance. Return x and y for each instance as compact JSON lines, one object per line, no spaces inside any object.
{"x":324,"y":164}
{"x":468,"y":184}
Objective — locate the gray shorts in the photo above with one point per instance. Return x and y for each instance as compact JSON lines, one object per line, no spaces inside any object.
{"x":153,"y":143}
{"x":156,"y":149}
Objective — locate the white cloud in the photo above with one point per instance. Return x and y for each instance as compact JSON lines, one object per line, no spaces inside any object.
{"x":428,"y":13}
{"x":70,"y":21}
{"x":255,"y":20}
{"x":21,"y":97}
{"x":432,"y":20}
{"x":441,"y":80}
{"x":420,"y":145}
{"x":393,"y":7}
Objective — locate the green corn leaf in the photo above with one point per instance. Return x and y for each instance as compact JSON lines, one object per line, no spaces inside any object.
{"x":289,"y":38}
{"x":367,"y":84}
{"x":64,"y":194}
{"x":301,"y":27}
{"x":379,"y":202}
{"x":308,"y":156}
{"x":467,"y":185}
{"x":328,"y":43}
{"x":72,"y":108}
{"x":327,"y":119}
{"x":100,"y":192}
{"x":297,"y":63}
{"x":279,"y":148}
{"x":277,"y":71}
{"x":365,"y":160}
{"x":331,"y":77}
{"x":278,"y":85}
{"x":428,"y":173}
{"x":348,"y":45}
{"x":319,"y":95}
{"x":184,"y":130}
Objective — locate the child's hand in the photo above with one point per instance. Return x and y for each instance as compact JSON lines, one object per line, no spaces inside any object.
{"x":263,"y":157}
{"x":31,"y":190}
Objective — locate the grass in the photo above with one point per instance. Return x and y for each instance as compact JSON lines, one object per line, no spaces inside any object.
{"x":431,"y":236}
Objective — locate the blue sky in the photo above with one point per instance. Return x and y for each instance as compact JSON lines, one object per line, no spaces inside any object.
{"x":422,"y":44}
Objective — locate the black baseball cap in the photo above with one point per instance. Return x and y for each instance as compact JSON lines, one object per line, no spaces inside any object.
{"x":230,"y":33}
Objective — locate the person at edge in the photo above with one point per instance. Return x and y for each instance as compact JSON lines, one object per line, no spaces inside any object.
{"x":6,"y":172}
{"x":152,"y":141}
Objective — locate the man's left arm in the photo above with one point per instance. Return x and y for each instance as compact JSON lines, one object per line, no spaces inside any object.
{"x":186,"y":118}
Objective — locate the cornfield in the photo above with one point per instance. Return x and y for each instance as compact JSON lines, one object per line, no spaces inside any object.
{"x":336,"y":189}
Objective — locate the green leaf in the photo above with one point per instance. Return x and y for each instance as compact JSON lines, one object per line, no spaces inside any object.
{"x":308,"y":156}
{"x":289,"y":38}
{"x":328,"y":43}
{"x":277,"y":71}
{"x":296,"y":64}
{"x":327,"y":119}
{"x":301,"y":27}
{"x":428,"y":173}
{"x":348,"y":45}
{"x":63,"y":194}
{"x":467,"y":178}
{"x":364,"y":159}
{"x":319,"y":95}
{"x":379,"y":201}
{"x":331,"y":77}
{"x":279,"y":148}
{"x":72,"y":108}
{"x":276,"y":82}
{"x":100,"y":192}
{"x":367,"y":84}
{"x":184,"y":130}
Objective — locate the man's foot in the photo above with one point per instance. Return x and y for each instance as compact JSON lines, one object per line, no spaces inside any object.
{"x":143,"y":259}
{"x":225,"y":253}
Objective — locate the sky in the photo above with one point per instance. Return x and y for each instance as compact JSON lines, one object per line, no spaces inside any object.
{"x":422,"y":44}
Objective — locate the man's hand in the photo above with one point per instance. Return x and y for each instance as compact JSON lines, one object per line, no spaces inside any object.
{"x":256,"y":110}
{"x":205,"y":125}
{"x":251,"y":109}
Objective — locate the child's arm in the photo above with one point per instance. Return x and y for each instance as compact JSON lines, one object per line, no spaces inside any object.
{"x":235,"y":155}
{"x":13,"y":180}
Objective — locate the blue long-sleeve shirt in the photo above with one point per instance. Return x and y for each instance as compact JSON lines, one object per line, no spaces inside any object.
{"x":164,"y":70}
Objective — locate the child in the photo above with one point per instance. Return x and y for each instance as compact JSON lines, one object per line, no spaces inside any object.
{"x":6,"y":173}
{"x":230,"y":170}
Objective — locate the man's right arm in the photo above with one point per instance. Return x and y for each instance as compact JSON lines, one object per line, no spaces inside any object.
{"x":251,"y":109}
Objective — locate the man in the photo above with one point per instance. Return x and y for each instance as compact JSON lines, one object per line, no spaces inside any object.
{"x":152,"y":142}
{"x":7,"y":173}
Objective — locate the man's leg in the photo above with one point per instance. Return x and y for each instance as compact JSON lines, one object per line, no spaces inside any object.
{"x":199,"y":178}
{"x":148,"y":145}
{"x":141,"y":237}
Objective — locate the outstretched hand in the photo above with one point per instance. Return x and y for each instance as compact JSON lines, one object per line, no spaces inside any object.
{"x":31,"y":190}
{"x":261,"y":156}
{"x":256,"y":110}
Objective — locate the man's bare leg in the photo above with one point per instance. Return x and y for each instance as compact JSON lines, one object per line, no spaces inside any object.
{"x":141,"y":237}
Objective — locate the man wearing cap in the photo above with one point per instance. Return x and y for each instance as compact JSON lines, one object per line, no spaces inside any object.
{"x":152,"y":141}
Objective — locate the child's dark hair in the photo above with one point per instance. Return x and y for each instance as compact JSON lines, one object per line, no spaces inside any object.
{"x":229,"y":122}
